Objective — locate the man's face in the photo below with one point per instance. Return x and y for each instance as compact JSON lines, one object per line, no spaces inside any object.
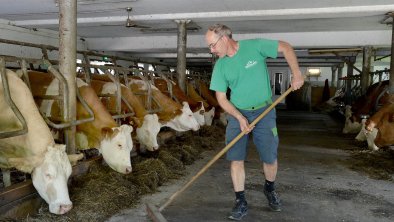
{"x":215,"y":43}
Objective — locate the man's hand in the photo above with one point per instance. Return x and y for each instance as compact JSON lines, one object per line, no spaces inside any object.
{"x":244,"y":125}
{"x":297,"y":81}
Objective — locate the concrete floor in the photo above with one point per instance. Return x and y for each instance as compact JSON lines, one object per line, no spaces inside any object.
{"x":313,"y":182}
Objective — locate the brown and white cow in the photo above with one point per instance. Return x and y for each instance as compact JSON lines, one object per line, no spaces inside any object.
{"x":172,"y":114}
{"x":367,"y":135}
{"x":363,"y":106}
{"x":176,"y":92}
{"x":147,"y":125}
{"x":113,"y":141}
{"x":210,"y":104}
{"x":35,"y":152}
{"x":379,"y":128}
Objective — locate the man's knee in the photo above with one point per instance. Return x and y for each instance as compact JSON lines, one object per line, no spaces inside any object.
{"x":238,"y":164}
{"x":274,"y":164}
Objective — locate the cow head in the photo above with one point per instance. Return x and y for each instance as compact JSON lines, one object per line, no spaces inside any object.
{"x":371,"y":133}
{"x":116,"y":147}
{"x":199,"y":115}
{"x":208,"y":116}
{"x":223,"y":118}
{"x":185,"y":121}
{"x":350,"y":126}
{"x":348,"y":111}
{"x":361,"y":136}
{"x":50,"y":173}
{"x":147,"y":132}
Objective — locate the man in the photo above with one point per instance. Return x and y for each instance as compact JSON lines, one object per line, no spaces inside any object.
{"x":241,"y":67}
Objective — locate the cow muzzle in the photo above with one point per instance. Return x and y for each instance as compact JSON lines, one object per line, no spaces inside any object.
{"x":128,"y":170}
{"x":61,"y":209}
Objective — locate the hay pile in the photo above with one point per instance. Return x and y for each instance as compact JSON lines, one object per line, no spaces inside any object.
{"x":103,"y":192}
{"x":377,"y":164}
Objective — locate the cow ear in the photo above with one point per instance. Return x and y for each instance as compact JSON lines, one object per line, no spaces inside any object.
{"x":73,"y":158}
{"x":107,"y":132}
{"x":26,"y":165}
{"x":185,"y":104}
{"x":126,"y":128}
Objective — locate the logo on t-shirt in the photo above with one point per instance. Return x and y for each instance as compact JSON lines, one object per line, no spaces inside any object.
{"x":250,"y":64}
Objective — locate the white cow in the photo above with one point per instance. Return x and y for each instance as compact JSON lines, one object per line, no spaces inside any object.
{"x":147,"y":125}
{"x":35,"y":152}
{"x":350,"y":126}
{"x":183,"y":122}
{"x":223,"y":118}
{"x":173,"y":115}
{"x":147,"y":133}
{"x":208,"y":116}
{"x":199,"y":115}
{"x":114,"y":142}
{"x":369,"y":136}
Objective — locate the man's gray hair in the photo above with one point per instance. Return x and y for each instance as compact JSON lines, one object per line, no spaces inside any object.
{"x":221,"y":30}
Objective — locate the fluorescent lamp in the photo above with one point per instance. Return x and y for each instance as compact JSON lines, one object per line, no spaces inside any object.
{"x":313,"y":72}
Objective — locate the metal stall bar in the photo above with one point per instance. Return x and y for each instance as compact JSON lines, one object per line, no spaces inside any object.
{"x":391,"y":78}
{"x":119,"y":98}
{"x":10,"y":102}
{"x":169,"y":87}
{"x":65,"y":101}
{"x":57,"y":75}
{"x":140,"y":74}
{"x":88,"y":53}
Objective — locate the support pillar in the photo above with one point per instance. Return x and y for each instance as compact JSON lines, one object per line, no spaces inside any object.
{"x":67,"y":63}
{"x":181,"y":53}
{"x":340,"y":71}
{"x":365,"y":74}
{"x":350,"y":63}
{"x":333,"y":75}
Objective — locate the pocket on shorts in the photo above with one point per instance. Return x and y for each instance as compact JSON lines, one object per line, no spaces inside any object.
{"x":275,"y":131}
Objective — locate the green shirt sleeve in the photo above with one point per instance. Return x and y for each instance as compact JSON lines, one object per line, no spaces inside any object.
{"x":269,"y":48}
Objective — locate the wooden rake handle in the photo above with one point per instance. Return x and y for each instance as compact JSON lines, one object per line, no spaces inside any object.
{"x":224,"y":150}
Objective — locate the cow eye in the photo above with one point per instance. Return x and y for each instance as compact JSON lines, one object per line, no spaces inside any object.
{"x":48,"y":176}
{"x":120,"y":146}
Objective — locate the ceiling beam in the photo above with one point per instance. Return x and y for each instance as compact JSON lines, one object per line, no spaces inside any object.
{"x":269,"y":14}
{"x":197,"y":42}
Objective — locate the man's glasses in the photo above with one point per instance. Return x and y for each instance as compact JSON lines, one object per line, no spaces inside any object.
{"x":212,"y":45}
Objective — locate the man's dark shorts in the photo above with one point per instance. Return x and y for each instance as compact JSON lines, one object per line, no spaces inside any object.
{"x":265,"y":136}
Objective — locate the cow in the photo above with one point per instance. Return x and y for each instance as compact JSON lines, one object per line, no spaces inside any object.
{"x":210,"y":102}
{"x":172,"y":114}
{"x":367,"y":135}
{"x":351,"y":125}
{"x":174,"y":91}
{"x":147,"y":125}
{"x":364,"y":105}
{"x":114,"y":142}
{"x":35,"y":152}
{"x":379,"y":128}
{"x":335,"y":100}
{"x":208,"y":116}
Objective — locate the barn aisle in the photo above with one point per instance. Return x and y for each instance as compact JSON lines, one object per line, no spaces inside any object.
{"x":316,"y":181}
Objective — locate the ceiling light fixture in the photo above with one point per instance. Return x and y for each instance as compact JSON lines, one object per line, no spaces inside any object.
{"x":129,"y":22}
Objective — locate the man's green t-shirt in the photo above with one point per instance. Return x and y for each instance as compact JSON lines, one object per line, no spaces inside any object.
{"x":246,"y":73}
